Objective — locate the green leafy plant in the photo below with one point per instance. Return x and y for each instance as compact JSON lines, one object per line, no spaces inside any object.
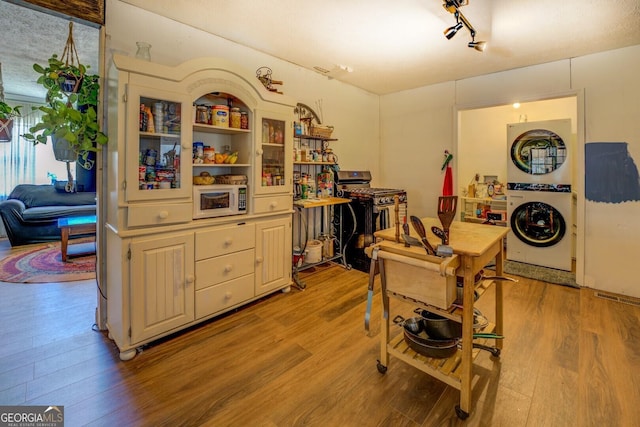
{"x":71,"y":110}
{"x":7,"y":112}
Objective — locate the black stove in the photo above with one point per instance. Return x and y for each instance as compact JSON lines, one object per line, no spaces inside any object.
{"x":374,"y":209}
{"x":380,"y":196}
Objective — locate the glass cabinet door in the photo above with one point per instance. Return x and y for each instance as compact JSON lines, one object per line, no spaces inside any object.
{"x":158,"y":130}
{"x":273,"y":156}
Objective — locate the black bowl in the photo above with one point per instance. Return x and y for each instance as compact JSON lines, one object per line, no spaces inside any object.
{"x":414,"y":325}
{"x":439,"y":327}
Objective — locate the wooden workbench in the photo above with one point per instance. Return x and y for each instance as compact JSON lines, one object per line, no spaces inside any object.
{"x":475,"y":245}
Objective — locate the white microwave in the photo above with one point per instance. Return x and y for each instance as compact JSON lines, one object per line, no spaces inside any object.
{"x":219,"y":200}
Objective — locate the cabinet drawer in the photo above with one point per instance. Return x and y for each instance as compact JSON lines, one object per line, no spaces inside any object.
{"x":228,"y":294}
{"x":144,"y":215}
{"x":212,"y":271}
{"x":273,"y":204}
{"x":224,"y":240}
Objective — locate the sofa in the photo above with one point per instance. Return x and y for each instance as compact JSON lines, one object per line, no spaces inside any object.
{"x":30,"y":213}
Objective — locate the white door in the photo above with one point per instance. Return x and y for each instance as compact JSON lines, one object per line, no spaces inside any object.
{"x":273,"y":254}
{"x":162,"y":285}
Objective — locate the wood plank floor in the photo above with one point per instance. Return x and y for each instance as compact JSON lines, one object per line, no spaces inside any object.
{"x":303,"y":358}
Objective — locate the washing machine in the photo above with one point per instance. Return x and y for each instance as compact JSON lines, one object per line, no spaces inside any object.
{"x":539,"y":152}
{"x":541,"y":226}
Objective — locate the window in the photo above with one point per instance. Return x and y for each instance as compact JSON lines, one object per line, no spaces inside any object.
{"x":23,"y":163}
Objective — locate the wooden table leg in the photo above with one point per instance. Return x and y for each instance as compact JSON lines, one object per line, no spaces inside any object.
{"x":64,"y":232}
{"x":467,"y":334}
{"x":498,"y":285}
{"x":384,"y":327}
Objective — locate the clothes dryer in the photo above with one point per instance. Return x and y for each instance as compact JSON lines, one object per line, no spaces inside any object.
{"x":539,"y":152}
{"x":541,"y":226}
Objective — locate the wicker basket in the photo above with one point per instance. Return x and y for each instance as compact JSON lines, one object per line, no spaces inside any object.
{"x":203,"y":179}
{"x":321,"y":131}
{"x":231,"y":179}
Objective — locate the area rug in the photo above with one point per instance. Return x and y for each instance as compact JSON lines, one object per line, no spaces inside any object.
{"x":536,"y":272}
{"x":43,"y":263}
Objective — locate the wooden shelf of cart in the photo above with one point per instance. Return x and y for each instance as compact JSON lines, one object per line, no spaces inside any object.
{"x":316,"y":203}
{"x":474,"y":246}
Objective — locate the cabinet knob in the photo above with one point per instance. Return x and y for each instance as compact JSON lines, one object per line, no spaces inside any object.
{"x":228,"y":295}
{"x":190,"y":278}
{"x":259,"y":152}
{"x":228,"y":268}
{"x":273,"y":204}
{"x":259,"y":260}
{"x":228,"y":241}
{"x":163,"y":215}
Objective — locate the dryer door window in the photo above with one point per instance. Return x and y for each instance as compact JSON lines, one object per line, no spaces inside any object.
{"x":538,"y":224}
{"x":538,"y":152}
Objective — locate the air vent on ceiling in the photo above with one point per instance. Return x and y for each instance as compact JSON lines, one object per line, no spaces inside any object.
{"x":321,"y":70}
{"x":619,"y":298}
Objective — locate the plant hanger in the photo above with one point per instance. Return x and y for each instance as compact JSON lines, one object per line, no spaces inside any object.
{"x":71,"y":59}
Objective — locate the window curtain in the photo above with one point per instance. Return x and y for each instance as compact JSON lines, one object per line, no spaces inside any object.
{"x":17,"y":157}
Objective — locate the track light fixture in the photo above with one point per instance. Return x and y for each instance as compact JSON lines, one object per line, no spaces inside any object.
{"x":452,"y":6}
{"x":479,"y":46}
{"x":452,"y":31}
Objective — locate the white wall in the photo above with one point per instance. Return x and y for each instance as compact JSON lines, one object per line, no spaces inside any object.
{"x":612,"y":114}
{"x":352,"y":111}
{"x":416,"y":127}
{"x":607,"y":239}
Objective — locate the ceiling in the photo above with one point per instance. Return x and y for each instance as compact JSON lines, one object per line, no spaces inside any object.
{"x":379,"y":46}
{"x":30,"y":37}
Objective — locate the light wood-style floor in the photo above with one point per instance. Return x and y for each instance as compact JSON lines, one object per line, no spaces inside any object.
{"x":303,"y":358}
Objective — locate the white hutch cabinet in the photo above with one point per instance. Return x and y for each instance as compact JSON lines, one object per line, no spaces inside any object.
{"x":165,"y":270}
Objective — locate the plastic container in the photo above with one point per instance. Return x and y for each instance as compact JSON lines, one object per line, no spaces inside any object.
{"x":198,"y":152}
{"x":220,"y":115}
{"x":314,"y":251}
{"x":209,"y":153}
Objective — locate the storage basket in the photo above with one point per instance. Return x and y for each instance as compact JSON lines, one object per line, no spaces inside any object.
{"x":231,"y":179}
{"x":203,"y":179}
{"x":321,"y":131}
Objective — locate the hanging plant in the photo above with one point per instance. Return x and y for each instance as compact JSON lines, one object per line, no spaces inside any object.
{"x":72,"y":104}
{"x":7,"y":114}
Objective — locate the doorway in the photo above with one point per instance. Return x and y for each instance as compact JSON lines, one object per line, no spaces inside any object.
{"x":483,"y":148}
{"x":34,"y":35}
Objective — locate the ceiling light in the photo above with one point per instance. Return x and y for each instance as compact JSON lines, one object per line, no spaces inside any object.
{"x":451,"y":31}
{"x":453,"y":6}
{"x":479,"y":46}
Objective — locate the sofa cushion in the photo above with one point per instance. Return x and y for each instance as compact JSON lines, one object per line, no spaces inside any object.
{"x":45,"y":195}
{"x":47,"y":213}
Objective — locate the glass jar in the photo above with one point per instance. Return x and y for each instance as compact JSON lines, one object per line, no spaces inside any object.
{"x":234,"y":118}
{"x":144,"y":51}
{"x":244,"y":120}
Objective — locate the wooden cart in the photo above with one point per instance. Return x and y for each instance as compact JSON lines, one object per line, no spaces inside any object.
{"x":401,"y":268}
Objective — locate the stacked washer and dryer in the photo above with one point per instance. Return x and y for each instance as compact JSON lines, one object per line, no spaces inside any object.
{"x":539,"y":199}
